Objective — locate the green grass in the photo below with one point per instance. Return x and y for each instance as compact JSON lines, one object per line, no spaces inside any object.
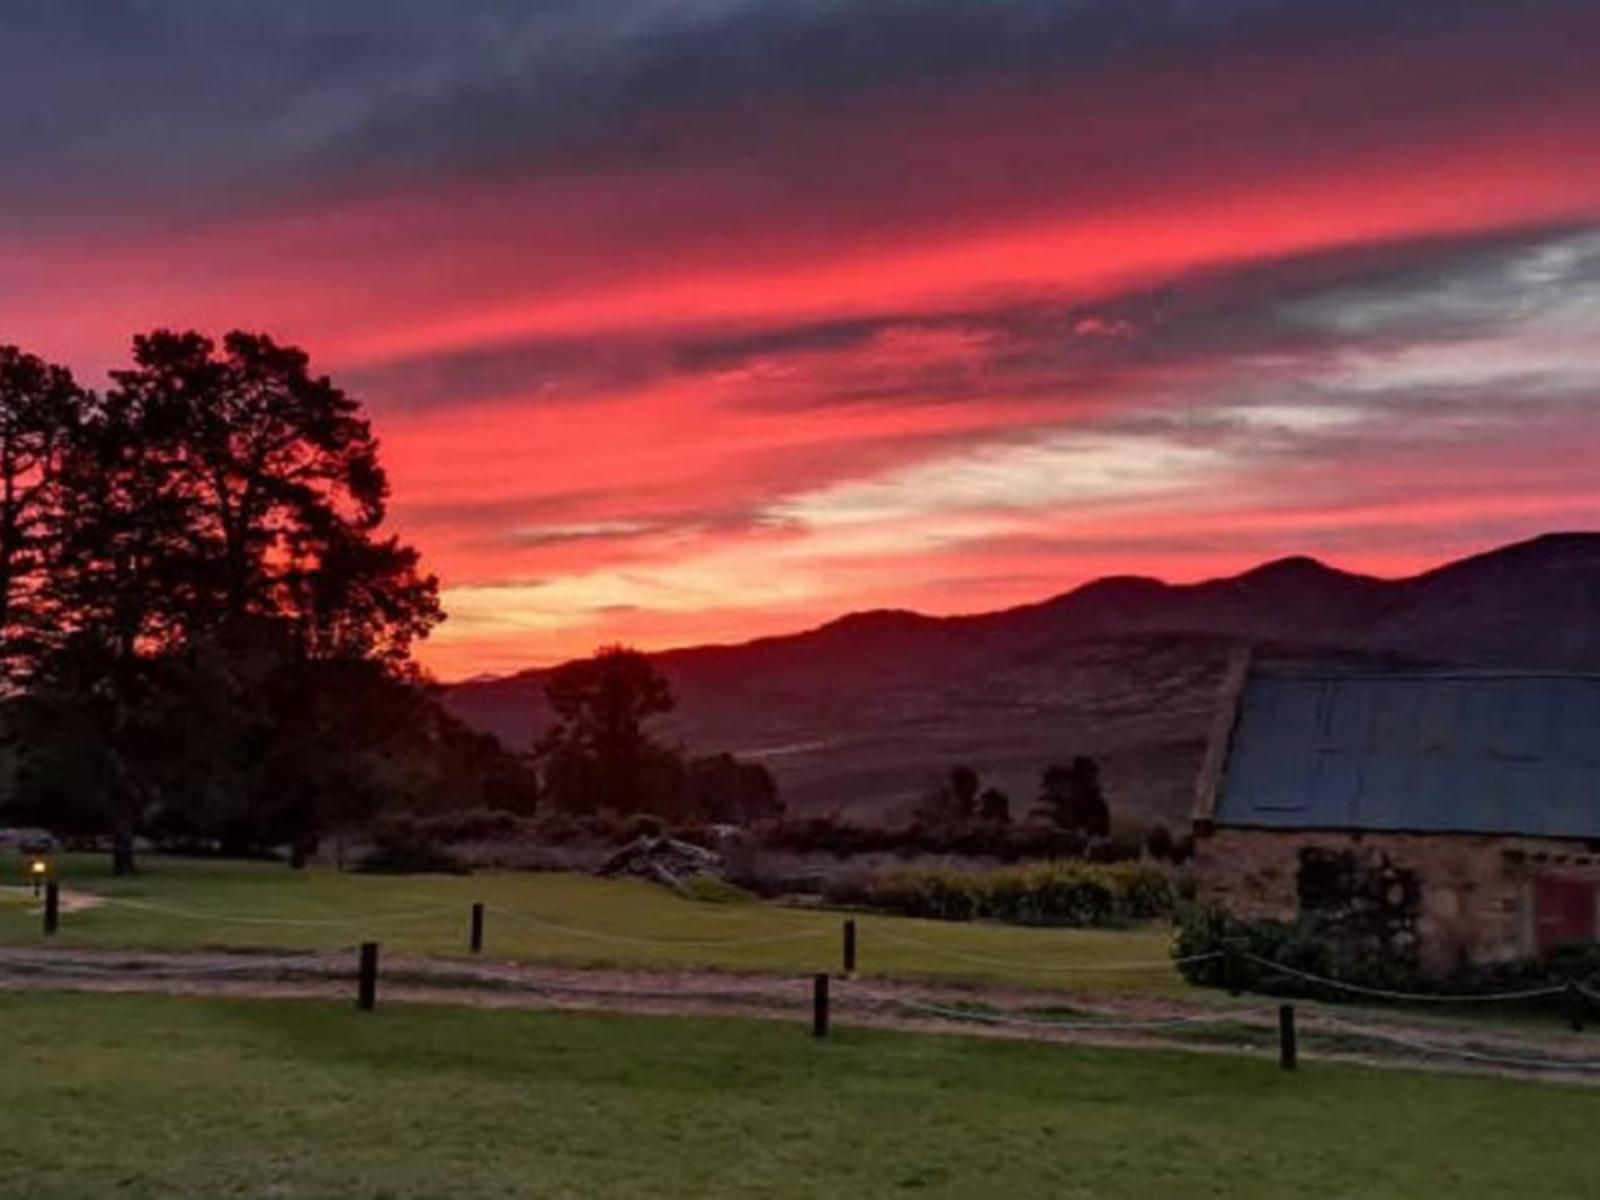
{"x":164,"y":1097}
{"x":628,"y":922}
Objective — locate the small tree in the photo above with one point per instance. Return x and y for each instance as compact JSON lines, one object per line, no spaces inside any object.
{"x":964,"y":792}
{"x":1071,"y":798}
{"x":994,"y":806}
{"x":950,"y":801}
{"x":598,"y":754}
{"x":1158,"y":842}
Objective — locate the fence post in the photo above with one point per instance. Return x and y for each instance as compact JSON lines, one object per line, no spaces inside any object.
{"x":1287,"y":1048}
{"x":850,"y":946}
{"x":477,"y":928}
{"x":52,"y":906}
{"x":819,"y":1006}
{"x":1231,"y":972}
{"x":367,"y":978}
{"x":1576,"y":1007}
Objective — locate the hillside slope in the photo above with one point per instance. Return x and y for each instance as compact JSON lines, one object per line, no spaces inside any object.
{"x":858,"y":714}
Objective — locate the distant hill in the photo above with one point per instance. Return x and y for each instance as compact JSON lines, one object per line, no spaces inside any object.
{"x":858,"y":714}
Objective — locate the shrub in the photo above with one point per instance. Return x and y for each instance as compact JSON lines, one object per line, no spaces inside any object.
{"x":1305,"y":946}
{"x":401,"y":845}
{"x":556,"y":828}
{"x":1009,"y":843}
{"x":473,"y":825}
{"x":1054,"y":893}
{"x":639,"y":825}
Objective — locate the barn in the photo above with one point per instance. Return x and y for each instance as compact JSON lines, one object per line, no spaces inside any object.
{"x":1452,"y":817}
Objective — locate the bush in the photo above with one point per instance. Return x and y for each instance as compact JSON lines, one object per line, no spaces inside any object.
{"x":639,"y":825}
{"x":1304,"y":946}
{"x":1056,"y":893}
{"x":473,"y":825}
{"x":1009,"y":843}
{"x":401,"y":845}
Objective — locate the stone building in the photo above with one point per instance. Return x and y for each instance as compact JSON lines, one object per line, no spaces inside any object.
{"x":1452,"y":817}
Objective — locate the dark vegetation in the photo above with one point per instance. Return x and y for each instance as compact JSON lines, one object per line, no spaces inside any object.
{"x":1123,"y":670}
{"x":206,"y":634}
{"x":1304,"y":945}
{"x":1053,"y":893}
{"x":206,"y":631}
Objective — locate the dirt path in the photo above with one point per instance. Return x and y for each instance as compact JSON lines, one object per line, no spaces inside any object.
{"x":71,"y":901}
{"x":1073,"y":1017}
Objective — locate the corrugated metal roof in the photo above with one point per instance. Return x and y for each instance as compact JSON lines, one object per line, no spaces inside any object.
{"x":1484,"y":753}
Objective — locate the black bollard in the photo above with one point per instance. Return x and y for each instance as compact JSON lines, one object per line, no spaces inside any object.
{"x":1576,"y":1006}
{"x":477,"y":928}
{"x":819,"y":1006}
{"x":850,"y":946}
{"x":1288,"y":1050}
{"x":52,"y":906}
{"x":1232,"y":967}
{"x":367,"y":978}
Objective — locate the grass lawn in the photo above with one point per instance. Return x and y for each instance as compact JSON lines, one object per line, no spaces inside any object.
{"x":625,"y":922}
{"x":165,"y":1097}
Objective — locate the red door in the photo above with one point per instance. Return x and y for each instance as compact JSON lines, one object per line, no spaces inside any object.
{"x":1563,"y":912}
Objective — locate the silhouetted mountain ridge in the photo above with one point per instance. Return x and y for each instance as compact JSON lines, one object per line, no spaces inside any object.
{"x":858,"y":713}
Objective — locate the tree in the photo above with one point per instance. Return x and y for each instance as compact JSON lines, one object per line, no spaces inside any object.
{"x":726,"y":791}
{"x":40,"y":409}
{"x":598,"y":754}
{"x":952,"y":801}
{"x":1071,"y":798}
{"x":964,"y":792}
{"x":994,"y":806}
{"x":284,"y":495}
{"x":1158,"y":842}
{"x":222,"y":534}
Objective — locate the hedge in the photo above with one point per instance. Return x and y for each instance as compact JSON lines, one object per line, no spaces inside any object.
{"x":1053,"y":893}
{"x":1309,"y":947}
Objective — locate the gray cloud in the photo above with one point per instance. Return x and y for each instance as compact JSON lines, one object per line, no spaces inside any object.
{"x":1255,"y":318}
{"x":109,"y":101}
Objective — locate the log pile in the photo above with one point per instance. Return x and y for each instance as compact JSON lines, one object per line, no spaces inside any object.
{"x":663,"y":859}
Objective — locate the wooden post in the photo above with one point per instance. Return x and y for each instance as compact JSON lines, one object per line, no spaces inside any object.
{"x":367,"y":979}
{"x":1576,"y":1008}
{"x":819,"y":1006}
{"x":1231,"y":964}
{"x":477,"y":928}
{"x":850,"y":946}
{"x":52,"y":906}
{"x":1287,"y":1048}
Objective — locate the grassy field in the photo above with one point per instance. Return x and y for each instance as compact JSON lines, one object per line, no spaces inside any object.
{"x":557,"y":918}
{"x":164,"y":1097}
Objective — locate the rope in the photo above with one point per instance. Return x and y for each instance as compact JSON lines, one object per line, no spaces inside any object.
{"x":1164,"y":964}
{"x":135,"y":968}
{"x":191,"y":914}
{"x":1549,"y":1064}
{"x":625,"y":940}
{"x":965,"y":1014}
{"x":1386,"y":994}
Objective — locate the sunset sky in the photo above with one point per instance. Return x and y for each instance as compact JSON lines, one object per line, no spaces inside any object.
{"x":707,"y":319}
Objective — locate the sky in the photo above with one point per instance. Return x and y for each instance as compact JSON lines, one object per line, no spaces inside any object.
{"x":704,"y":320}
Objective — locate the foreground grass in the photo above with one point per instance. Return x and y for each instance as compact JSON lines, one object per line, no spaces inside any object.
{"x":163,"y":1097}
{"x":560,"y":918}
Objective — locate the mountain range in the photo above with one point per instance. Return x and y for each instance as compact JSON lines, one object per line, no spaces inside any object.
{"x":859,"y":715}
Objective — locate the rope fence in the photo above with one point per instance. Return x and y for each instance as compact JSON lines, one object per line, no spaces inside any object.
{"x":1410,"y":997}
{"x":363,"y":959}
{"x":1437,"y":1049}
{"x":134,"y":967}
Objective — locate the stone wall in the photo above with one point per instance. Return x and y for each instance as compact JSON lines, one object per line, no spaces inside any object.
{"x":1476,"y":892}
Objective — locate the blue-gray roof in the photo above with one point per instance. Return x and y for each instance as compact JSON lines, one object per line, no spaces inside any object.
{"x":1482,"y":753}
